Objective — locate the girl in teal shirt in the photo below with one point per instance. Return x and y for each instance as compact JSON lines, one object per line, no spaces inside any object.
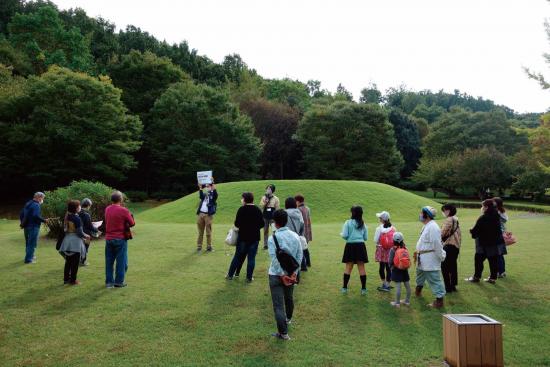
{"x":355,"y":233}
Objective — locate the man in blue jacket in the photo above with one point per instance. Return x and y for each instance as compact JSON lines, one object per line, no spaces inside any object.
{"x":205,"y":214}
{"x":31,"y":219}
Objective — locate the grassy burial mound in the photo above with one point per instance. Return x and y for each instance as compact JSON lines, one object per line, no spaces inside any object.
{"x":329,"y":201}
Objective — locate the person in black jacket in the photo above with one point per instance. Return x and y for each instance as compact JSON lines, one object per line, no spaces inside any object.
{"x":87,"y":226}
{"x":205,"y":214}
{"x":249,"y":221}
{"x":488,"y":235}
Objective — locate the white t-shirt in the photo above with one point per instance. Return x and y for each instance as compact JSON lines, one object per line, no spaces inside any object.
{"x":204,"y":206}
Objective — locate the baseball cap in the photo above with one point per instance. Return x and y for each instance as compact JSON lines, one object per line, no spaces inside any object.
{"x":398,"y":237}
{"x":385,"y":216}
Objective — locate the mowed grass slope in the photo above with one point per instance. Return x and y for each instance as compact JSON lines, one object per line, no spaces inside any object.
{"x":178,"y":309}
{"x":330,"y":200}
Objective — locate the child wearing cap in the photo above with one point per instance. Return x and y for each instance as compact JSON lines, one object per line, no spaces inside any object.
{"x":383,"y":238}
{"x":399,"y":271}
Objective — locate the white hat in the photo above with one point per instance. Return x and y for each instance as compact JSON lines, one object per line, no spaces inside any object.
{"x":385,"y":216}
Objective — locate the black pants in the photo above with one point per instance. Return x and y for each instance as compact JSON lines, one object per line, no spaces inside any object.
{"x":71,"y":267}
{"x":384,"y":271}
{"x":493,"y":265}
{"x":283,"y":302}
{"x":306,"y":256}
{"x":449,"y":267}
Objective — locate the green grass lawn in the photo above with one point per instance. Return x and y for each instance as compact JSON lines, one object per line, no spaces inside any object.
{"x":178,"y":309}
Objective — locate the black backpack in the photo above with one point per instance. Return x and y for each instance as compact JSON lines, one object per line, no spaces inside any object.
{"x":287,"y":261}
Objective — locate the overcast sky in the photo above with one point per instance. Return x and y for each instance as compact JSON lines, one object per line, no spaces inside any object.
{"x":477,"y":46}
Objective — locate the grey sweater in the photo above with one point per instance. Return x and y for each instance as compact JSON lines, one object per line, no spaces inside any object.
{"x":295,"y":221}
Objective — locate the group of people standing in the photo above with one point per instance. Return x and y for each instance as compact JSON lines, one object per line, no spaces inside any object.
{"x":291,"y":233}
{"x":435,"y":255}
{"x":74,"y":243}
{"x":436,"y":252}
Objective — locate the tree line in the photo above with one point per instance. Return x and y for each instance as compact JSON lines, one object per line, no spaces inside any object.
{"x":79,"y":100}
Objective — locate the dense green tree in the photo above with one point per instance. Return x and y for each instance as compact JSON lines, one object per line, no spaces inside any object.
{"x":17,"y":60}
{"x":430,"y":114}
{"x":42,"y":36}
{"x":292,"y":92}
{"x":371,"y":94}
{"x":8,"y":8}
{"x":343,"y":94}
{"x":408,"y":140}
{"x":68,"y":126}
{"x":104,"y":44}
{"x":143,"y":77}
{"x":481,"y":170}
{"x":437,"y":174}
{"x":460,"y":129}
{"x":540,"y":142}
{"x":275,"y":125}
{"x":195,"y":127}
{"x":347,"y":140}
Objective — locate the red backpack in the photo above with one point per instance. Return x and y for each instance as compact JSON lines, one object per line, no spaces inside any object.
{"x":401,"y":258}
{"x":386,"y":239}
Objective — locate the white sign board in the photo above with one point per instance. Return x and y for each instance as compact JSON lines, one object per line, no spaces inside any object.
{"x":204,"y":177}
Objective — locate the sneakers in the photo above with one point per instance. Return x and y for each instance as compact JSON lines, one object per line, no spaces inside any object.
{"x":85,"y":263}
{"x":281,"y":336}
{"x":418,"y":291}
{"x":109,"y":285}
{"x":209,"y":249}
{"x":364,"y":292}
{"x":384,"y":288}
{"x":344,"y":290}
{"x":288,"y":321}
{"x":490,"y":281}
{"x":76,"y":282}
{"x":121,"y":285}
{"x":199,"y":249}
{"x":227,"y":277}
{"x":502,"y":275}
{"x":472,"y":280}
{"x":395,"y":304}
{"x":249,"y":280}
{"x":406,"y":303}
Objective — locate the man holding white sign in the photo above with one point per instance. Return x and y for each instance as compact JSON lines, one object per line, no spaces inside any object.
{"x":207,"y":208}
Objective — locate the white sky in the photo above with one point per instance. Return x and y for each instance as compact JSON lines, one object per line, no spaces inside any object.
{"x":477,"y":46}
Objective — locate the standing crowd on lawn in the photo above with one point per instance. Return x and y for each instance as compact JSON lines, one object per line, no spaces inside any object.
{"x":435,"y":255}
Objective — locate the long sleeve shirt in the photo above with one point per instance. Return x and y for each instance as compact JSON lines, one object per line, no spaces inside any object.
{"x":289,"y":242}
{"x":352,"y":234}
{"x":31,"y":216}
{"x":430,"y":240}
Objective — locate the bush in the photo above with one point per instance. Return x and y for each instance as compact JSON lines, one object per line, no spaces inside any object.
{"x":136,"y":196}
{"x":55,"y":204}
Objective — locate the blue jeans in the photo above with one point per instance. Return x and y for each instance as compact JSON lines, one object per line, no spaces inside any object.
{"x":116,"y":250}
{"x":31,"y":240}
{"x":242,"y":250}
{"x":433,"y":278}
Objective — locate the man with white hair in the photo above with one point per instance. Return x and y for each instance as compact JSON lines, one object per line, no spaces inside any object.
{"x":31,"y":220}
{"x":429,"y":255}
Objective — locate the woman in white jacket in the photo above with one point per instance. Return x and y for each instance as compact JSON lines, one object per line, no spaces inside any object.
{"x":429,"y":255}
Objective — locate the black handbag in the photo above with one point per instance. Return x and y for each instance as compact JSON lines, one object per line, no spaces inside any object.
{"x":287,"y":261}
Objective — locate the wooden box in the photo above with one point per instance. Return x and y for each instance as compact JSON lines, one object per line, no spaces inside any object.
{"x":472,"y":340}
